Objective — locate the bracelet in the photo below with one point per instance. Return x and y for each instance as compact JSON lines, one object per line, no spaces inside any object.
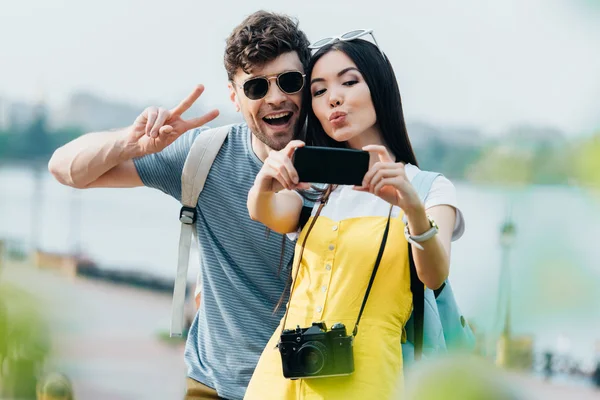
{"x":416,"y":239}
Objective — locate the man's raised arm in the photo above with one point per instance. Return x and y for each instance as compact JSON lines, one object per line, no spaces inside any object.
{"x":105,"y":159}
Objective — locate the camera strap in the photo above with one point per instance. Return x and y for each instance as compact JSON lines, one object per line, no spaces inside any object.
{"x":377,"y":261}
{"x":375,"y":267}
{"x":321,"y":205}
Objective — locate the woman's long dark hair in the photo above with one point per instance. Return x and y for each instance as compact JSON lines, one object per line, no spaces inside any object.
{"x":385,"y":94}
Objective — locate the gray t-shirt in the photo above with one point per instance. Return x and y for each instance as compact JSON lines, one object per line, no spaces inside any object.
{"x":239,"y":262}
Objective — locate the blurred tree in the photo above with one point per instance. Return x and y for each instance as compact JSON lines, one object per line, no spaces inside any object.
{"x":4,"y":144}
{"x":450,"y":159}
{"x":551,"y":165}
{"x":35,"y":143}
{"x":36,"y":138}
{"x":502,"y":166}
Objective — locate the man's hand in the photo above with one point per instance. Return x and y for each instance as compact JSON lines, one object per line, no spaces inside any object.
{"x":156,"y":128}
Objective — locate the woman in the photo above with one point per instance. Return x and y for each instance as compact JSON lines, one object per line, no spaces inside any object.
{"x":355,"y":104}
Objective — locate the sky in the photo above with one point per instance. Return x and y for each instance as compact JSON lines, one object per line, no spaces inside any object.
{"x":484,"y":64}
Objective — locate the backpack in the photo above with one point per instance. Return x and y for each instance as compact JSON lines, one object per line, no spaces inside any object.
{"x":436,"y":325}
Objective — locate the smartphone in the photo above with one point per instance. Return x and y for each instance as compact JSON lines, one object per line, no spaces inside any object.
{"x":331,"y":165}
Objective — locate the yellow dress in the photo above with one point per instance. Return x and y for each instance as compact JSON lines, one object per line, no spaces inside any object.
{"x":335,"y":269}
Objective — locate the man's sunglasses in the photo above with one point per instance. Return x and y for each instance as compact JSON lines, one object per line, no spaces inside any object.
{"x":346,"y":37}
{"x":290,"y":82}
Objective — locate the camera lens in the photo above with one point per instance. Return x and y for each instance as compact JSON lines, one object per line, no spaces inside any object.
{"x":312,"y":357}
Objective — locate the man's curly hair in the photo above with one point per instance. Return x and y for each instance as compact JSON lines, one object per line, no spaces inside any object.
{"x":262,"y":37}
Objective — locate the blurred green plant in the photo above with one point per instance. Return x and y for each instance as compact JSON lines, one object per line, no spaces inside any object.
{"x":588,"y":162}
{"x":517,"y":158}
{"x":24,"y":343}
{"x":459,"y":377}
{"x":502,"y":166}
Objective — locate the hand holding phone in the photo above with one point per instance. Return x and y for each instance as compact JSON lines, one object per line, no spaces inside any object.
{"x":277,"y":172}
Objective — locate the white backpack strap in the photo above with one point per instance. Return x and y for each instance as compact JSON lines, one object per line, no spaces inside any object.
{"x":195,"y":170}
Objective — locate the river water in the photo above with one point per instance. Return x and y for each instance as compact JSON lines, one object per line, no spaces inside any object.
{"x":554,"y":260}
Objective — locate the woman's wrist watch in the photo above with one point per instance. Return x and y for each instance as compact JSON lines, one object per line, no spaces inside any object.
{"x":416,"y":239}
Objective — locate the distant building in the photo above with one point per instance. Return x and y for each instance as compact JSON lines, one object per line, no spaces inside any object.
{"x":20,"y":114}
{"x":93,"y":113}
{"x":85,"y":111}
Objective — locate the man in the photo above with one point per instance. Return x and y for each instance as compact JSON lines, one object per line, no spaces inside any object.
{"x":241,"y":283}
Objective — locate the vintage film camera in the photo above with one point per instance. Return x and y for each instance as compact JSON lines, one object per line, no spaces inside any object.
{"x":316,"y":352}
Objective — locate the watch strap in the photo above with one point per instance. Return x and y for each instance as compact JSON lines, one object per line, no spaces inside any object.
{"x":416,"y":239}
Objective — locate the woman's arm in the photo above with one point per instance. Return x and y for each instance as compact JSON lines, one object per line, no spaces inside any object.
{"x":433,"y":262}
{"x":280,"y":211}
{"x":387,"y":179}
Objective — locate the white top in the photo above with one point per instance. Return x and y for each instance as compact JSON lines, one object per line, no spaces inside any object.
{"x":345,"y":202}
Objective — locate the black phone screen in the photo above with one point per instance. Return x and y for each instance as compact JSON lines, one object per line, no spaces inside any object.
{"x":331,"y":165}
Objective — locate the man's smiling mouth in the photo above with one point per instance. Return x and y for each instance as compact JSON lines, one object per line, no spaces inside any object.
{"x":277,"y":119}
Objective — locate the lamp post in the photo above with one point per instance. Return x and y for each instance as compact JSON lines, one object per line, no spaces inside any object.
{"x":507,"y":238}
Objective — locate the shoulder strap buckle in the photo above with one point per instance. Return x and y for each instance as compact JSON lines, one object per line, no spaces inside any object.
{"x":187,"y":215}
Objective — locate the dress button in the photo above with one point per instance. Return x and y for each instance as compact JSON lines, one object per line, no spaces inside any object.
{"x":319,"y":309}
{"x":328,"y":267}
{"x":324,"y":288}
{"x":334,"y":228}
{"x":331,"y":247}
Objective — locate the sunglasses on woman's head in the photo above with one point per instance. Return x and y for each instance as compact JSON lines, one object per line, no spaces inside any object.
{"x":290,"y":82}
{"x":346,"y":37}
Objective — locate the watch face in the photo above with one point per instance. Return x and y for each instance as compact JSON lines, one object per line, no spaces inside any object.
{"x":432,"y":222}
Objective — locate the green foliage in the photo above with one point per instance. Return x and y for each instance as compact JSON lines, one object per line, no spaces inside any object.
{"x":24,"y":343}
{"x":587,"y":164}
{"x":512,"y":159}
{"x":459,"y":377}
{"x":502,"y":166}
{"x":510,"y":163}
{"x":552,"y":166}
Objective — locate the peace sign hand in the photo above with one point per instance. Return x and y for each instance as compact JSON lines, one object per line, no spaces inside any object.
{"x":156,"y":128}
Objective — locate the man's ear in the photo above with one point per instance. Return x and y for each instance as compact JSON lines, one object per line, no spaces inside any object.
{"x":233,"y":96}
